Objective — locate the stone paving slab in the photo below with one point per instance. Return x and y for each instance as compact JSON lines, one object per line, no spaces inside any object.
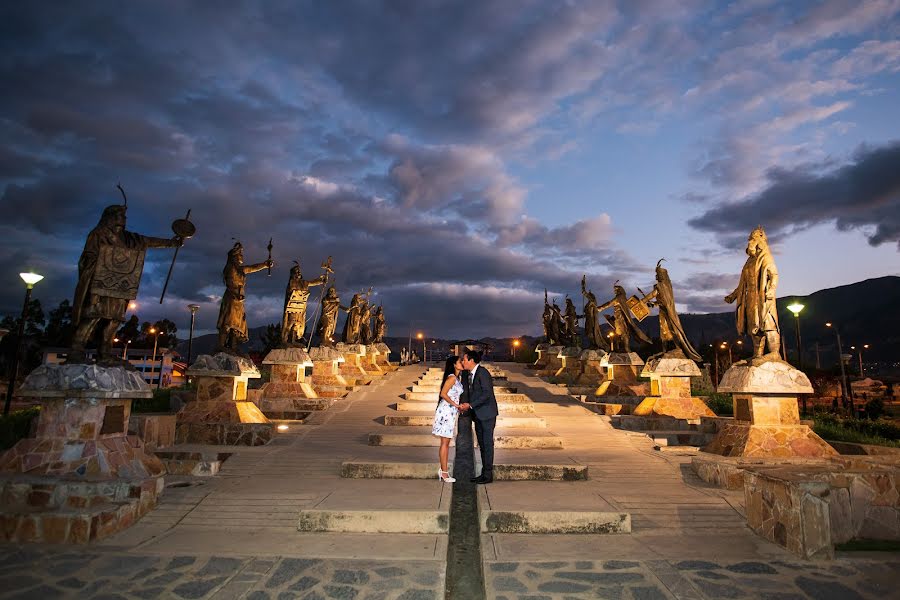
{"x":113,"y":576}
{"x":693,"y":579}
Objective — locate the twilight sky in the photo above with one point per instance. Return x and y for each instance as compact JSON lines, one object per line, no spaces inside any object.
{"x":458,"y":156}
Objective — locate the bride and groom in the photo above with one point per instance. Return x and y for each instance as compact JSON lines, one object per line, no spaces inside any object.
{"x":467,"y":387}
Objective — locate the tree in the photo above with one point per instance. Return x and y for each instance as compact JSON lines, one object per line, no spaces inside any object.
{"x":130,"y":331}
{"x":59,"y":325}
{"x":271,"y":337}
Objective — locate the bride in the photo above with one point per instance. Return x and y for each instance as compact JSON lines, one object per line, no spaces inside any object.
{"x":446,"y":413}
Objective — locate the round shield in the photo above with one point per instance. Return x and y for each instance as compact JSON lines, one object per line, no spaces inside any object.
{"x":183,"y":228}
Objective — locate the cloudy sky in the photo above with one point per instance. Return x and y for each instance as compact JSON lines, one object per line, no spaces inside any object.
{"x":458,"y":156}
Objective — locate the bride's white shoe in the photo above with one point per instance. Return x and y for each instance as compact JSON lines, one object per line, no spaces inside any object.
{"x":447,"y":479}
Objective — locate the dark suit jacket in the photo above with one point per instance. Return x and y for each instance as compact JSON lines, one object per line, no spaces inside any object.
{"x":481,"y":395}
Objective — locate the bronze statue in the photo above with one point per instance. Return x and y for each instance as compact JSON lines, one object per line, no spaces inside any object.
{"x":622,"y":321}
{"x":592,"y":319}
{"x":232,"y":323}
{"x":546,"y":319}
{"x":380,"y":326}
{"x":109,"y":273}
{"x":557,"y":325}
{"x":350,"y":334}
{"x":331,"y":304}
{"x":670,"y":329}
{"x":755,"y":296}
{"x":296,"y":298}
{"x":571,"y":324}
{"x":365,"y":323}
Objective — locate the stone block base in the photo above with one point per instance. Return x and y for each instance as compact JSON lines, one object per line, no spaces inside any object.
{"x":674,"y":407}
{"x":224,"y":434}
{"x":57,"y":511}
{"x":769,"y":441}
{"x":154,"y":430}
{"x":197,"y":464}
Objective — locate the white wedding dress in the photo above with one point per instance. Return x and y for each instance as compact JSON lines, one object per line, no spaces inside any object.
{"x":445,"y":414}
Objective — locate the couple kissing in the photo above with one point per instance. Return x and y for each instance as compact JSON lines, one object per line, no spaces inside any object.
{"x":466,"y":387}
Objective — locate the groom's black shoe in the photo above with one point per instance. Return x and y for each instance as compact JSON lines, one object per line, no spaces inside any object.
{"x":482,"y":479}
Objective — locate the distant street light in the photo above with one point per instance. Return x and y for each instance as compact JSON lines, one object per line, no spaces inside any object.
{"x":795,"y":308}
{"x":193,"y":308}
{"x":421,"y":336}
{"x":155,"y":333}
{"x":859,"y":352}
{"x":30,"y":279}
{"x":515,"y":344}
{"x":125,"y":349}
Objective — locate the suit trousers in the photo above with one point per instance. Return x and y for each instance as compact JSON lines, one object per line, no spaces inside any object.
{"x":484,"y":433}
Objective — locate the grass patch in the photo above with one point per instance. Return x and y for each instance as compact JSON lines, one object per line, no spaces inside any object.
{"x":858,"y":431}
{"x":869,"y":546}
{"x":16,"y":425}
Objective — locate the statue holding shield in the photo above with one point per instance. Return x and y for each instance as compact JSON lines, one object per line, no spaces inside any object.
{"x":109,"y":273}
{"x":296,"y":297}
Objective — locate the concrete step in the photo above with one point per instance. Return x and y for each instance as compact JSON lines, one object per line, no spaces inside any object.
{"x":680,"y":438}
{"x":636,"y":423}
{"x":504,"y":408}
{"x":603,"y":408}
{"x":554,"y":521}
{"x":435,"y":389}
{"x":427,"y":420}
{"x":503,"y":441}
{"x":501,"y":398}
{"x":502,"y":472}
{"x":374,"y":521}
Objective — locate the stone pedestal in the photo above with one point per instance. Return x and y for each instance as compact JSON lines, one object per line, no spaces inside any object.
{"x":370,"y":363}
{"x":351,"y":368}
{"x":592,"y":372}
{"x":288,"y":386}
{"x":554,"y":362}
{"x":326,"y":377}
{"x":570,"y":362}
{"x":82,"y":477}
{"x":384,"y":353}
{"x":622,"y":372}
{"x":221,"y":413}
{"x":766,"y":417}
{"x":670,"y":390}
{"x":542,"y":357}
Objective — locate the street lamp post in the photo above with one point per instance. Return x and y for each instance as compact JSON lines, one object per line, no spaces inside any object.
{"x":193,"y":308}
{"x":125,"y":349}
{"x":795,"y":308}
{"x":155,"y":333}
{"x":515,"y":345}
{"x":30,"y":279}
{"x":421,"y":336}
{"x":845,"y":392}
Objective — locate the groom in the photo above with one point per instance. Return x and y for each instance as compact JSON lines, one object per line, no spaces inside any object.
{"x":480,"y":399}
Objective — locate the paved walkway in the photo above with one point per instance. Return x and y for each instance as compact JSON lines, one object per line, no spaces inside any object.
{"x":235,"y":535}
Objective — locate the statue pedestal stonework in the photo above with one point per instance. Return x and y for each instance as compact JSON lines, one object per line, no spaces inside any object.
{"x":383,"y":355}
{"x":570,"y":362}
{"x":592,"y":372}
{"x":351,"y":368}
{"x":369,"y":362}
{"x":288,"y":385}
{"x":542,"y":357}
{"x":670,"y":390}
{"x":326,"y":377}
{"x":82,"y":477}
{"x":554,"y":362}
{"x":766,"y":417}
{"x":221,"y":413}
{"x":622,"y":372}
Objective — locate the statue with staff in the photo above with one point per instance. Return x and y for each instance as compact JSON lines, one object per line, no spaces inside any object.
{"x":109,"y":273}
{"x":296,"y":299}
{"x":570,"y":319}
{"x":592,"y":328}
{"x":365,"y":323}
{"x":232,"y":322}
{"x":380,"y":326}
{"x":670,"y":329}
{"x":546,"y":319}
{"x":331,"y":307}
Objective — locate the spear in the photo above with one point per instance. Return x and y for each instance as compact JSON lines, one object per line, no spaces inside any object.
{"x":269,"y":260}
{"x":183,"y":229}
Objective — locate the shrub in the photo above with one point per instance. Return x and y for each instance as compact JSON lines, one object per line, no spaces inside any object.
{"x":860,"y":431}
{"x":159,"y":403}
{"x":16,"y":425}
{"x":721,"y":404}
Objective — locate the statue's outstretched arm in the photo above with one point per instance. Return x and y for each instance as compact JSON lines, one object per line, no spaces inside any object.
{"x":258,"y":266}
{"x":155,"y":242}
